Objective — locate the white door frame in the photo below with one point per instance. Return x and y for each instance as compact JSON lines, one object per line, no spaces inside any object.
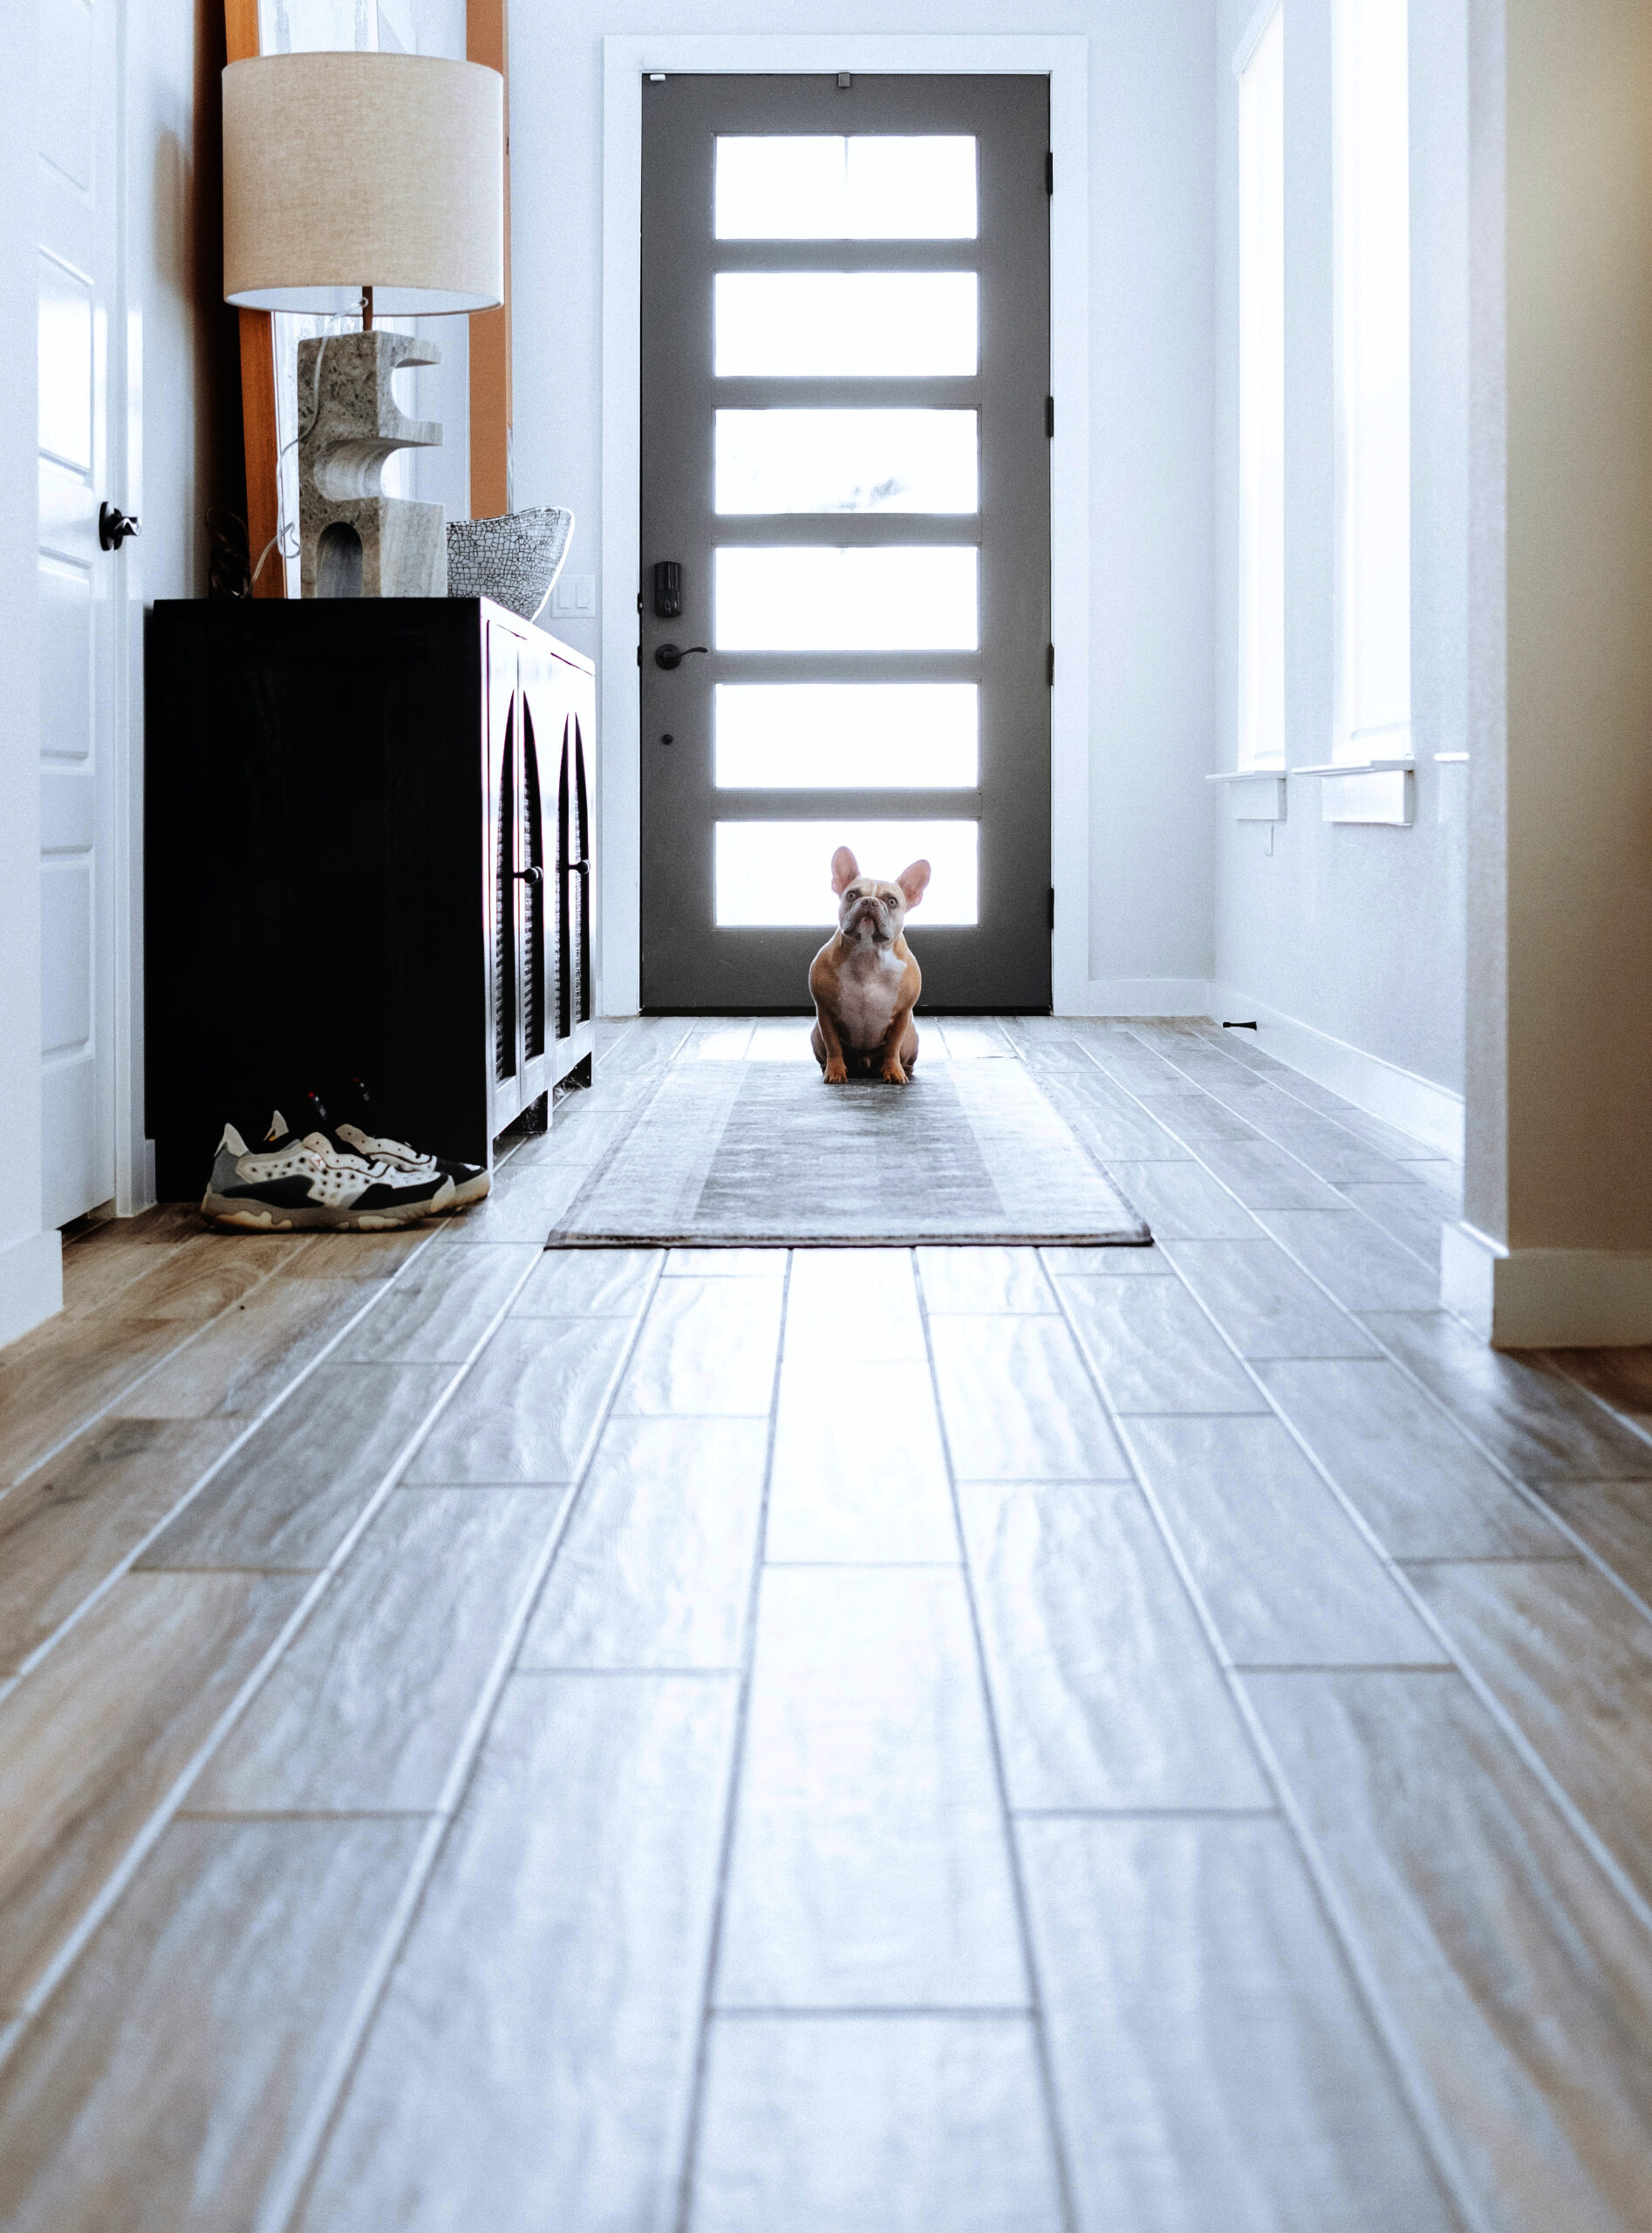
{"x":626,"y":59}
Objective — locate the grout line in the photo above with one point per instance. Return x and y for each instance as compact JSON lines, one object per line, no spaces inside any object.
{"x":1193,"y":1150}
{"x":868,"y":1566}
{"x":1570,"y":1812}
{"x":1532,"y":1501}
{"x":305,"y":2156}
{"x":1441,"y":1666}
{"x":851,"y":2012}
{"x":308,"y":1814}
{"x":1491,"y":1559}
{"x":1145,"y":1813}
{"x":130,"y":1558}
{"x":170,"y":1805}
{"x":736,"y":1769}
{"x":1437,"y":2141}
{"x":1530,"y":1495}
{"x":1040,"y":2036}
{"x":1640,"y":1428}
{"x":521,"y":1674}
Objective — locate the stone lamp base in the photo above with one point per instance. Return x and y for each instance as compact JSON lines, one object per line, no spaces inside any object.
{"x":353,"y":540}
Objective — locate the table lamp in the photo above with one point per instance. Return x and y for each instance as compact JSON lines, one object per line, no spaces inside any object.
{"x":363,"y":183}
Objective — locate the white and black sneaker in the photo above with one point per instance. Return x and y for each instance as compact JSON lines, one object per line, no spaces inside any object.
{"x":301,"y":1185}
{"x":471,"y":1180}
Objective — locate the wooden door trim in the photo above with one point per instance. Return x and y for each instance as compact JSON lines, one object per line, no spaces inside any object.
{"x":259,"y":437}
{"x":486,"y":41}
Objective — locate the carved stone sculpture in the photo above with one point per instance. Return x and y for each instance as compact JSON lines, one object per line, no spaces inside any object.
{"x":354,"y":541}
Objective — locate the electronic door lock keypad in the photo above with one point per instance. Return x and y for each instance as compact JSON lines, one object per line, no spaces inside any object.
{"x":668,"y":589}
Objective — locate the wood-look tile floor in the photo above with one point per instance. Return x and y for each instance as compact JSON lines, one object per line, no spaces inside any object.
{"x":1127,"y":1741}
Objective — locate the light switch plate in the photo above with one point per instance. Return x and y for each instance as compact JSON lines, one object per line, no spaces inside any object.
{"x":574,"y":597}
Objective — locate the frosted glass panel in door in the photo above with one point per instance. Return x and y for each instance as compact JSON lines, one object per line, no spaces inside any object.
{"x":773,"y":875}
{"x":871,"y":187}
{"x":846,"y":462}
{"x":845,"y":325}
{"x":799,"y":736}
{"x":911,"y":598}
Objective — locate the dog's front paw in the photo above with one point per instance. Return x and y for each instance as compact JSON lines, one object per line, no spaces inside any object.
{"x":837,"y":1071}
{"x":893,"y":1074}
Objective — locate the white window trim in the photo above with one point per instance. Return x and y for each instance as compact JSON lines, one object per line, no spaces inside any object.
{"x":1253,"y":37}
{"x":1065,"y":62}
{"x":1265,"y":750}
{"x":1356,"y":741}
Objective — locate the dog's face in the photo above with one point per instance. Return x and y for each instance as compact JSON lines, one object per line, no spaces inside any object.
{"x":869,"y":912}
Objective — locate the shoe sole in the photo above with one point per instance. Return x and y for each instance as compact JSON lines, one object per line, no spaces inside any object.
{"x":247,"y":1216}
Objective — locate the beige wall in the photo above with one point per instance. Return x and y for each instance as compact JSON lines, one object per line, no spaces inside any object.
{"x":1559,"y":1080}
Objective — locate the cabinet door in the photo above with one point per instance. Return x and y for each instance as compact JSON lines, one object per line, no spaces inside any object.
{"x":535,"y":962}
{"x":504,"y":907}
{"x":573,"y":882}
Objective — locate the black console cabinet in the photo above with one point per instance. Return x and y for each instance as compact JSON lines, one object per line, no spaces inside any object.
{"x":368,"y":844}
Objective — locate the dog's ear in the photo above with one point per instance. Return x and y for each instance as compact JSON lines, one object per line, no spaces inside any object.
{"x":845,"y":869}
{"x":914,"y":882}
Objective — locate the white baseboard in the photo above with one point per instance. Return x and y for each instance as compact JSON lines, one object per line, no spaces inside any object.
{"x":1545,"y":1298}
{"x":1428,"y":1112}
{"x":1142,"y":996}
{"x":30,"y":1283}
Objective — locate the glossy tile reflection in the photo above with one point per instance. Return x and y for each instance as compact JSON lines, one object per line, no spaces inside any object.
{"x":864,"y":1740}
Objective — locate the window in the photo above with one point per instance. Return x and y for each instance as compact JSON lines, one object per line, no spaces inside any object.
{"x":1260,"y":65}
{"x":1373,"y":713}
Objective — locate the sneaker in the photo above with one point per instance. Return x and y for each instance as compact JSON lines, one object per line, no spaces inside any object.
{"x":301,"y":1185}
{"x":471,"y":1180}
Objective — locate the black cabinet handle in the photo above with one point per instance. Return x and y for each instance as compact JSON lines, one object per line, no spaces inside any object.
{"x":535,"y":876}
{"x":670,"y":658}
{"x":577,"y":868}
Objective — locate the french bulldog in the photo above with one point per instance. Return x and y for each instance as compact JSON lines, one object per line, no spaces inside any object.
{"x":864,"y":981}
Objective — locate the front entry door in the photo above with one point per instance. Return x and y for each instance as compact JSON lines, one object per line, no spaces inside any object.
{"x":845,"y":501}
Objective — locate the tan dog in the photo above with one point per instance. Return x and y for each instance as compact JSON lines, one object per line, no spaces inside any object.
{"x":865,"y":979}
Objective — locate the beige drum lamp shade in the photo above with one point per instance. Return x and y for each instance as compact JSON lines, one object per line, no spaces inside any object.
{"x":343,"y":172}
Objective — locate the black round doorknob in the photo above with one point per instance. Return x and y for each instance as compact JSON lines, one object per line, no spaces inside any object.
{"x":670,"y":657}
{"x":668,"y":738}
{"x":114,"y":526}
{"x":535,"y":877}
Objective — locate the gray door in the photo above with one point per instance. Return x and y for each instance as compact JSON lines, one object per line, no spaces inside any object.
{"x":845,"y":501}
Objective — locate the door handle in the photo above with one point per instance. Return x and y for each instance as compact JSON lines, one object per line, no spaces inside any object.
{"x":114,"y":526}
{"x":535,"y":876}
{"x":670,"y":658}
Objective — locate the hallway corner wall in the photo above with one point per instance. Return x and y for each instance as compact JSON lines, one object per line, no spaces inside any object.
{"x":1556,"y":1246}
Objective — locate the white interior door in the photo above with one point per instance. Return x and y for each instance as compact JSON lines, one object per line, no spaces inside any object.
{"x":80,"y":583}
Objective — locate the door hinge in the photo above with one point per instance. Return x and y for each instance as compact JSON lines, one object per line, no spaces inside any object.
{"x":1049,"y":172}
{"x":1049,"y":417}
{"x":1051,"y":649}
{"x":1052,"y":906}
{"x":639,"y":654}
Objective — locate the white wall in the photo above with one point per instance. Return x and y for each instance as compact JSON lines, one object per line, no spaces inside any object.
{"x":1357,"y":933}
{"x":1151,"y":373}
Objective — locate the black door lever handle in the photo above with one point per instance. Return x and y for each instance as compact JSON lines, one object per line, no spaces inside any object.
{"x":670,"y":656}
